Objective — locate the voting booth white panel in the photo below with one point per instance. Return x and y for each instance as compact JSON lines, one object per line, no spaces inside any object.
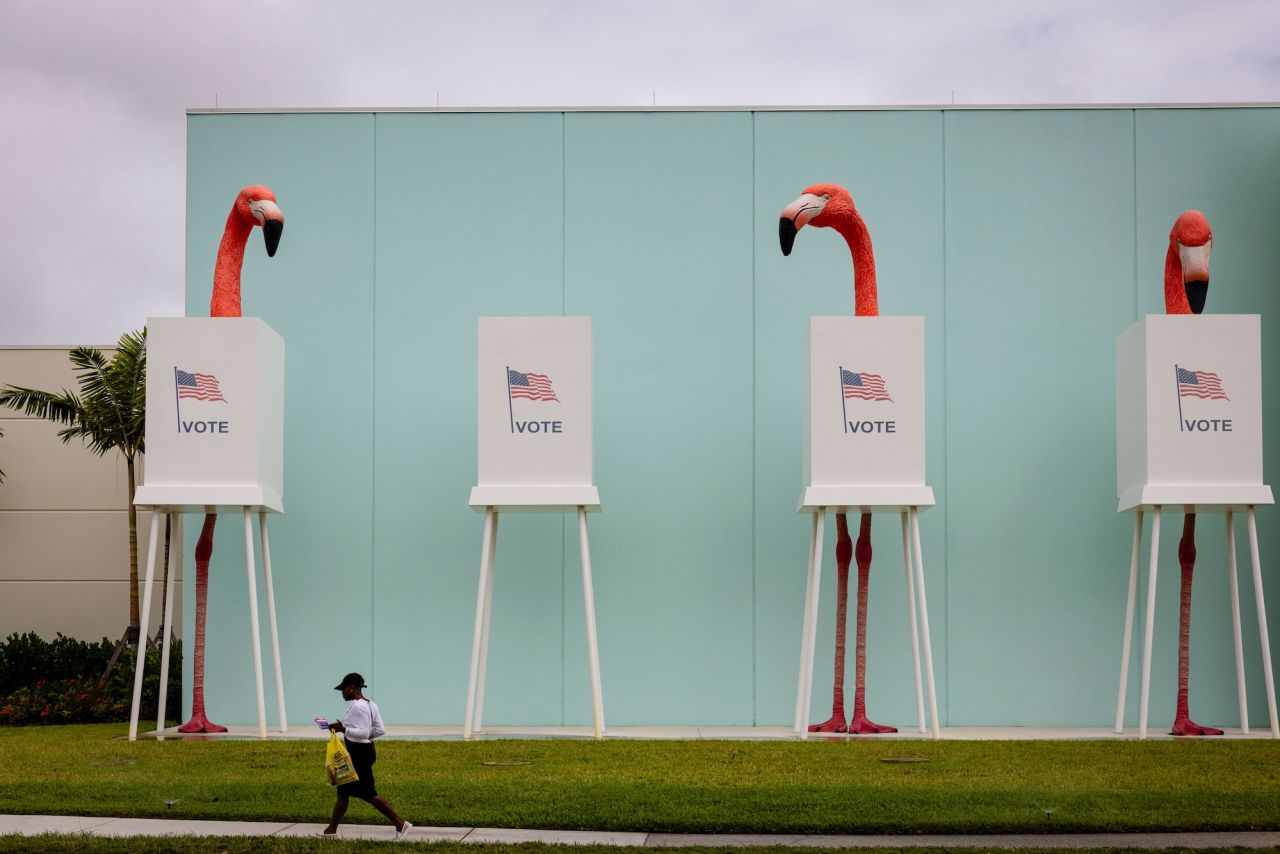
{"x":864,"y":433}
{"x":1189,"y":411}
{"x":534,"y":413}
{"x":215,"y":414}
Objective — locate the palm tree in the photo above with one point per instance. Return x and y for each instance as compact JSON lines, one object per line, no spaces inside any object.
{"x":108,"y":414}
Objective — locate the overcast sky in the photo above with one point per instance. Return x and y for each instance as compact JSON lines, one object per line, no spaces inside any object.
{"x":93,"y":94}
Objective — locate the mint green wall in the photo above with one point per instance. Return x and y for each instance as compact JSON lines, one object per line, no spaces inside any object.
{"x":1028,"y":239}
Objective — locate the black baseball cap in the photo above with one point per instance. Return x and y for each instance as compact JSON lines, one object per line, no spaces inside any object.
{"x":353,"y":680}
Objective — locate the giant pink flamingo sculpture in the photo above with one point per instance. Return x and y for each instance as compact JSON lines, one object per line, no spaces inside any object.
{"x":831,"y":206}
{"x":1186,"y":284}
{"x":254,"y":206}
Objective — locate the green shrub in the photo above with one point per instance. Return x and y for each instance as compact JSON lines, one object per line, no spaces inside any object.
{"x":53,"y":682}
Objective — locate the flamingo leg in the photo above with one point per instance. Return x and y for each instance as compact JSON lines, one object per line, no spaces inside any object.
{"x":1182,"y":724}
{"x":860,"y":723}
{"x":204,"y":550}
{"x":844,"y":553}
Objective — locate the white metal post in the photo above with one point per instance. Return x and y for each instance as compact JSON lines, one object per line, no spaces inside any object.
{"x":478,"y":724}
{"x":804,"y":628}
{"x":485,"y":544}
{"x":166,"y":631}
{"x":807,"y":673}
{"x":911,"y":618}
{"x":254,"y":631}
{"x":1267,"y":675}
{"x":140,"y":662}
{"x":1151,"y":621}
{"x":1234,"y":590}
{"x":924,"y":619}
{"x":1128,"y":618}
{"x":593,"y":652}
{"x":271,"y":619}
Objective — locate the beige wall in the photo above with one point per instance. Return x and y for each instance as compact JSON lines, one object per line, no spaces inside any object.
{"x":64,"y":533}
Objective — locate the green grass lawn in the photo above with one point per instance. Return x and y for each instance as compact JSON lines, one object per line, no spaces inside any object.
{"x":665,"y":786}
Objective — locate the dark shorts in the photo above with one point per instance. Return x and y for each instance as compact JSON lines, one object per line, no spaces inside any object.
{"x":362,"y":758}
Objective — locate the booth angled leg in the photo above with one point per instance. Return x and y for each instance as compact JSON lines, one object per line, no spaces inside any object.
{"x":806,"y":673}
{"x":589,"y":604}
{"x":1267,"y":674}
{"x":1233,"y":588}
{"x":1128,"y":619}
{"x":481,"y":680}
{"x":166,"y":631}
{"x":486,"y":545}
{"x":1151,"y":622}
{"x":140,"y":663}
{"x":911,"y":619}
{"x":271,"y":619}
{"x":924,"y":619}
{"x":255,"y":634}
{"x":800,"y":721}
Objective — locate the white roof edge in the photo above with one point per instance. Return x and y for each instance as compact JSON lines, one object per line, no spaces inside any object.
{"x":1221,"y":105}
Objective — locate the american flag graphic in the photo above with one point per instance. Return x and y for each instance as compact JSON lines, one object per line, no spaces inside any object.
{"x":863,"y":385}
{"x":1204,"y":384}
{"x":530,"y":386}
{"x":198,"y":386}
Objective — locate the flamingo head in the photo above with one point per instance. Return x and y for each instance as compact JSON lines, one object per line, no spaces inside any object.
{"x":256,"y":205}
{"x":821,"y":205}
{"x":1189,"y":244}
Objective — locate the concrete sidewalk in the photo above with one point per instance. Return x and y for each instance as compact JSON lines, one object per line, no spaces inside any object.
{"x":31,"y":825}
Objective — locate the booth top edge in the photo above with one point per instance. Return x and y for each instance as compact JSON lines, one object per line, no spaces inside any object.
{"x":1221,"y":105}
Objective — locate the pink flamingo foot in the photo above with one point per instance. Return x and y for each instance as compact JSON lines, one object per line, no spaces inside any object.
{"x":1186,"y":726}
{"x":834,"y":724}
{"x":201,"y":724}
{"x":861,"y":725}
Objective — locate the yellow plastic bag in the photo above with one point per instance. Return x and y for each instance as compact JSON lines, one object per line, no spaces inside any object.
{"x":337,"y":762}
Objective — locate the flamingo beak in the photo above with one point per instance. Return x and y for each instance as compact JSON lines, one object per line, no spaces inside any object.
{"x":1195,"y":274}
{"x":271,"y":218}
{"x":795,"y":216}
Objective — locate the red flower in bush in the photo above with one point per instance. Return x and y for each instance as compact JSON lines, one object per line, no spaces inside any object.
{"x":41,"y":683}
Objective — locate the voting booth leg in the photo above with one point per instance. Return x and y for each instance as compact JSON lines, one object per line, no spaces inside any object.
{"x":589,"y":604}
{"x":804,"y":629}
{"x":478,"y":724}
{"x":1267,"y":675}
{"x":1234,"y":590}
{"x":1151,"y":620}
{"x":810,"y":630}
{"x":271,"y":619}
{"x":486,"y":550}
{"x":141,"y":660}
{"x":254,"y":633}
{"x":911,"y":619}
{"x":166,"y":630}
{"x":1128,"y":619}
{"x":924,"y":619}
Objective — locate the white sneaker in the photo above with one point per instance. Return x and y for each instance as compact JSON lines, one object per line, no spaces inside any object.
{"x":403,"y":832}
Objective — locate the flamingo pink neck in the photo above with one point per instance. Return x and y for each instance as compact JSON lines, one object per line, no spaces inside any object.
{"x":1175,"y":294}
{"x":226,"y":270}
{"x":855,"y":233}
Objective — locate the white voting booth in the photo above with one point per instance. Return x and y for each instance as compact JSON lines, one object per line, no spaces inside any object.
{"x":1189,"y":435}
{"x":864,"y":453}
{"x":215,"y":443}
{"x":534,"y":411}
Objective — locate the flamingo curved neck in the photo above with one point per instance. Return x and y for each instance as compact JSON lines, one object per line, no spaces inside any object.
{"x":226,"y":271}
{"x":854,"y":231}
{"x":1175,"y":294}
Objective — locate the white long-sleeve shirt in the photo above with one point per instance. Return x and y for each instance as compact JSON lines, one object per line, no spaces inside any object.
{"x":362,"y":721}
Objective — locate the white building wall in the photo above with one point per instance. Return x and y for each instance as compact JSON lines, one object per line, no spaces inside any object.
{"x":64,"y":532}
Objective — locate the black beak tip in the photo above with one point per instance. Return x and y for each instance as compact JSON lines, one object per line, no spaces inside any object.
{"x":1197,"y":294}
{"x":786,"y":235}
{"x":271,"y":231}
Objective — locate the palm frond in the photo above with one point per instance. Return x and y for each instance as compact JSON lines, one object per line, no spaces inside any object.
{"x":63,"y":408}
